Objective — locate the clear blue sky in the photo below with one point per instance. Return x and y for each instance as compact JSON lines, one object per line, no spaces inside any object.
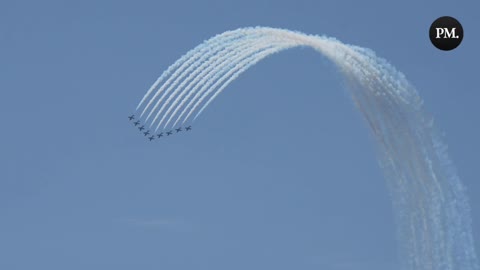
{"x":279,"y":172}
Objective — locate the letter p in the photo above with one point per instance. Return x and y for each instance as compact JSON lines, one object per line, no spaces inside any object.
{"x":440,"y":32}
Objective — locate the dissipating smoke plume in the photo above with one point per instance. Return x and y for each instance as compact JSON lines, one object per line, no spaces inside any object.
{"x":429,"y":201}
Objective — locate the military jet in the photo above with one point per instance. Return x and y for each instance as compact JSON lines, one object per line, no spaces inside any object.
{"x":169,"y":133}
{"x":146,"y":132}
{"x":151,"y":138}
{"x":178,"y":129}
{"x":160,"y":135}
{"x":141,"y":128}
{"x":131,"y":117}
{"x":136,"y":123}
{"x":188,"y":128}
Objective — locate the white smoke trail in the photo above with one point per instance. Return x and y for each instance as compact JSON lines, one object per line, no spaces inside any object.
{"x":213,"y":79}
{"x":432,"y":210}
{"x":186,"y":60}
{"x":196,"y":65}
{"x":214,"y":68}
{"x":207,"y":65}
{"x":224,"y":71}
{"x":231,"y":76}
{"x":198,"y":81}
{"x":190,"y":64}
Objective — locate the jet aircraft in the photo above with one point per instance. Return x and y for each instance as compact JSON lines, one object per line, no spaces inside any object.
{"x":169,"y":133}
{"x":188,"y":128}
{"x":160,"y":135}
{"x":146,"y":132}
{"x":131,"y":117}
{"x":178,"y":129}
{"x":136,"y":123}
{"x":141,"y":128}
{"x":151,"y":138}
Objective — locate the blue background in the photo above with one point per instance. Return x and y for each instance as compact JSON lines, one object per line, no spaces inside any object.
{"x":278,"y":173}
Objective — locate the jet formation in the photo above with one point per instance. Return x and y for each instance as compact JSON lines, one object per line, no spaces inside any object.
{"x":159,"y":135}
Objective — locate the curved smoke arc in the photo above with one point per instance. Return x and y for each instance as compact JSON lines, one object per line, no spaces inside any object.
{"x":429,"y":200}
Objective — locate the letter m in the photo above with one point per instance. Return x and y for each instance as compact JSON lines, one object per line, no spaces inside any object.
{"x":449,"y":34}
